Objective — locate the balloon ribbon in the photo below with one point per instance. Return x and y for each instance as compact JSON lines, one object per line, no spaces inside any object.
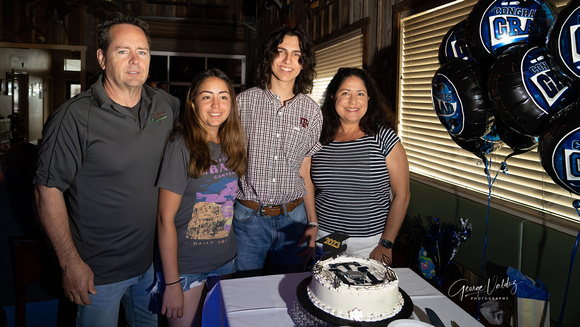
{"x":576,"y":205}
{"x":490,"y":181}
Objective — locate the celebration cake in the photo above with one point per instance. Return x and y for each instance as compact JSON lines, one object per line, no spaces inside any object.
{"x":357,"y":289}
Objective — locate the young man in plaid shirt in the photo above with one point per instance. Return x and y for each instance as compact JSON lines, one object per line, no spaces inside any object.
{"x":274,"y":215}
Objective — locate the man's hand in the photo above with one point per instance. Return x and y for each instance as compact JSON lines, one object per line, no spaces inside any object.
{"x":382,"y":254}
{"x":77,"y":276}
{"x":78,"y":281}
{"x":309,"y":235}
{"x":173,"y":301}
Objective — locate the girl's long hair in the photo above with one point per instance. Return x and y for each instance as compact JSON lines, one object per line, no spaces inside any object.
{"x":195,"y":136}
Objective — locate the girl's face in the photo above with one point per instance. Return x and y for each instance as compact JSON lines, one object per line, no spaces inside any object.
{"x":213,"y":103}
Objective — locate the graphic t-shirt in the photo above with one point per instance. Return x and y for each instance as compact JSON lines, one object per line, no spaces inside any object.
{"x":203,"y":221}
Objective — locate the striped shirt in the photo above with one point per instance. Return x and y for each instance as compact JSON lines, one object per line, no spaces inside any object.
{"x":353,"y":185}
{"x":278,"y":138}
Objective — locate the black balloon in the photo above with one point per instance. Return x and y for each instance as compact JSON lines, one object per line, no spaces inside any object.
{"x":526,"y":90}
{"x":479,"y":147}
{"x":518,"y":142}
{"x":454,"y":44}
{"x":564,"y":40}
{"x":460,"y":101}
{"x":494,"y":25}
{"x":559,"y":149}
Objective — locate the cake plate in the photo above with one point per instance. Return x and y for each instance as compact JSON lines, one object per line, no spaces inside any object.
{"x":321,"y":316}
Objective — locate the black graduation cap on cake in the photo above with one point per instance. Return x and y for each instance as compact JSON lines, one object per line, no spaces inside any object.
{"x":332,"y":245}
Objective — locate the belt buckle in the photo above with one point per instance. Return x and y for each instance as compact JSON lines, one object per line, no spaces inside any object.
{"x":264,"y":206}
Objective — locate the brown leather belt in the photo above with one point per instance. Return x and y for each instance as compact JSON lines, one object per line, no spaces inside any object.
{"x":268,"y":210}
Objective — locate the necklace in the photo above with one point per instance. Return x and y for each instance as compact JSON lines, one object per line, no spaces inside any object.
{"x":215,"y":139}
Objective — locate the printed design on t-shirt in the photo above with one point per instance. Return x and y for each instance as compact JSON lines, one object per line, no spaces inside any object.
{"x":212,"y":214}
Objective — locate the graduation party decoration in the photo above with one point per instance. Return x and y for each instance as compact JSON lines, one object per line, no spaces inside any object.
{"x":518,"y":142}
{"x":332,"y":245}
{"x":494,"y":25}
{"x":454,"y":44}
{"x":564,"y":40}
{"x":480,"y":147}
{"x":441,"y":243}
{"x":526,"y":90}
{"x":459,"y":101}
{"x":559,"y":149}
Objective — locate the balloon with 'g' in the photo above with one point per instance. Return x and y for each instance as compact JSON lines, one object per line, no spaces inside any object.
{"x":564,"y":40}
{"x":526,"y":90}
{"x":459,"y":101}
{"x":454,"y":44}
{"x":559,"y":149}
{"x":494,"y":25}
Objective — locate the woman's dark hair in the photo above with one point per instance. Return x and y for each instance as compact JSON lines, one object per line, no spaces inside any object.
{"x":378,"y":113}
{"x":269,"y":51}
{"x":104,"y":28}
{"x":195,"y":136}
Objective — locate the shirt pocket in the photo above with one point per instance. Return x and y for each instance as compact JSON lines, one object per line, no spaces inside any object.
{"x":294,"y":144}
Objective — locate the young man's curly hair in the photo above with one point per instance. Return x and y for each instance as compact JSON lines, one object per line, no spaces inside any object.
{"x":269,"y":51}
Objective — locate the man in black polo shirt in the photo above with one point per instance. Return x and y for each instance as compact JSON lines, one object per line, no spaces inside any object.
{"x":95,"y":180}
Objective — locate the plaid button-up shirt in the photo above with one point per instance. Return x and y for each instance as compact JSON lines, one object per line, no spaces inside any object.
{"x":278,"y":138}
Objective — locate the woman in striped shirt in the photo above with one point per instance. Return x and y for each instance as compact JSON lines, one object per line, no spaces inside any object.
{"x":361,"y":173}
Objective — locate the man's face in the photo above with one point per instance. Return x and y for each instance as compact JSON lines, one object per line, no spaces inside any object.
{"x":286,"y":66}
{"x":126,"y":63}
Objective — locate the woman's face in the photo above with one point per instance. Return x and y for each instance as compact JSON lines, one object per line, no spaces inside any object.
{"x":213,"y":103}
{"x":351,"y":100}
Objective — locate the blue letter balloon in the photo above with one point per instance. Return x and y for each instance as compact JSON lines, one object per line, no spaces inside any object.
{"x":560,"y":149}
{"x":454,"y":44}
{"x":459,"y":101}
{"x":494,"y":25}
{"x":526,"y":90}
{"x":564,"y":41}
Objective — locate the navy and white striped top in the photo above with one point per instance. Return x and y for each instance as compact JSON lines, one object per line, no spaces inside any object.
{"x":353,"y":185}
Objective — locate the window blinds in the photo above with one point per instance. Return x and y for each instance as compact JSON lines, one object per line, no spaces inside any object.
{"x":344,"y":51}
{"x":435,"y":159}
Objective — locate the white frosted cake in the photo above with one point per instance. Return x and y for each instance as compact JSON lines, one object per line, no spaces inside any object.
{"x":356,"y":289}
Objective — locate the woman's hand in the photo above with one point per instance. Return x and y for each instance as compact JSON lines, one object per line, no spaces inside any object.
{"x":173,"y":301}
{"x":382,"y":254}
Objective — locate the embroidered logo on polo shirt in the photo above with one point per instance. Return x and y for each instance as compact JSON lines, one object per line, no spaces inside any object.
{"x":157,"y":116}
{"x":304,"y":122}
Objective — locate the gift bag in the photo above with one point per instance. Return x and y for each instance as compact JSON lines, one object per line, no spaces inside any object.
{"x":532,"y":312}
{"x":532,"y":307}
{"x":426,"y":264}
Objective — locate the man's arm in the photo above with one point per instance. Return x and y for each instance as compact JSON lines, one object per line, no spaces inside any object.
{"x":310,"y":232}
{"x":77,"y":276}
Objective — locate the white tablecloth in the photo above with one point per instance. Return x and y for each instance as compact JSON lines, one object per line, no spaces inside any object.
{"x":266,"y":301}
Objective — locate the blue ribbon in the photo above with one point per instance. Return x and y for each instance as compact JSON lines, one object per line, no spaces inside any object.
{"x":490,"y":181}
{"x":576,"y":204}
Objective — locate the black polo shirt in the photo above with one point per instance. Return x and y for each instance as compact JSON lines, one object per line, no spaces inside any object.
{"x":106,"y":162}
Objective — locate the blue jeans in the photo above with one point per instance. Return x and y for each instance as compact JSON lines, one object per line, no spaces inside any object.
{"x":257,"y":236}
{"x":189,"y":281}
{"x":104,"y":307}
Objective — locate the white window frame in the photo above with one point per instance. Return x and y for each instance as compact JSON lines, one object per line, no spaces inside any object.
{"x":434,"y":159}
